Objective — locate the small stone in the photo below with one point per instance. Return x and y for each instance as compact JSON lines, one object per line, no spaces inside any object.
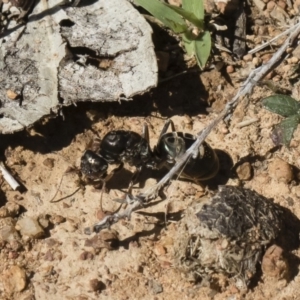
{"x":155,"y":287}
{"x":159,"y":250}
{"x":4,"y":212}
{"x":256,"y":61}
{"x":14,"y":280}
{"x":66,"y":205}
{"x":15,"y":245}
{"x":13,"y":255}
{"x":286,"y":68}
{"x":7,"y":230}
{"x":86,"y":255}
{"x":57,"y":219}
{"x":266,"y":57}
{"x":270,"y":5}
{"x":49,"y":256}
{"x":96,"y":285}
{"x":273,"y":264}
{"x":175,"y":2}
{"x":11,"y":95}
{"x":244,"y":171}
{"x":281,"y":4}
{"x":50,"y":242}
{"x":248,"y":57}
{"x":44,"y":221}
{"x":105,"y":239}
{"x":230,"y":69}
{"x":270,"y":75}
{"x":13,"y":209}
{"x":49,"y":163}
{"x":280,"y":170}
{"x":294,"y":60}
{"x":29,"y":227}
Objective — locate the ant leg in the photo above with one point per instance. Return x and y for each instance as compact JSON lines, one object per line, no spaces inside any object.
{"x":168,"y":123}
{"x":107,"y":178}
{"x":145,"y":133}
{"x":134,"y":179}
{"x":110,"y":175}
{"x":71,"y":3}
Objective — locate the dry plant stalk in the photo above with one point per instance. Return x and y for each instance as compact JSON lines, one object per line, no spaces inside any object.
{"x":8,"y":177}
{"x":136,"y":202}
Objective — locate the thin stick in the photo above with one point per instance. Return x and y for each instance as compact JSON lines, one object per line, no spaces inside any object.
{"x":246,"y":123}
{"x":8,"y":177}
{"x":59,"y":185}
{"x":268,"y":43}
{"x":254,"y":77}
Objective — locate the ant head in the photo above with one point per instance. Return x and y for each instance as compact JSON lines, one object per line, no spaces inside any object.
{"x":92,"y":165}
{"x":172,"y":146}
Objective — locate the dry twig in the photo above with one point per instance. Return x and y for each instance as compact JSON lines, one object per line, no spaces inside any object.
{"x":8,"y":177}
{"x":136,"y":202}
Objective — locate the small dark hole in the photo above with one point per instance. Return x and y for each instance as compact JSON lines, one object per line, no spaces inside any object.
{"x":66,"y":23}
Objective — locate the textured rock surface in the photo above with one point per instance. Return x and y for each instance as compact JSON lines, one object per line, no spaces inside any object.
{"x":99,"y":51}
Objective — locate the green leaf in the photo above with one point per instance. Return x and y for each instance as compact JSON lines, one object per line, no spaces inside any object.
{"x":188,"y":44}
{"x":188,"y":15}
{"x":282,"y":105}
{"x":164,"y":14}
{"x":202,"y":47}
{"x":283,"y":132}
{"x":195,"y":6}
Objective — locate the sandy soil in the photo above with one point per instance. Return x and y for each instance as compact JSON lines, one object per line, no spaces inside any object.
{"x":134,"y":260}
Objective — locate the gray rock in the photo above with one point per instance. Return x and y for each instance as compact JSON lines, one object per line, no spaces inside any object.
{"x":7,"y":230}
{"x":29,"y":227}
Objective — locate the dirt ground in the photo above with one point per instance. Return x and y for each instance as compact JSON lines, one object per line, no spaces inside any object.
{"x":135,"y":259}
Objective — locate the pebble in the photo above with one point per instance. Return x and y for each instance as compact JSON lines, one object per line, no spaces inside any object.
{"x":86,"y":255}
{"x":270,"y":75}
{"x":7,"y":230}
{"x":96,"y":285}
{"x":248,"y":57}
{"x":175,"y":2}
{"x":244,"y":171}
{"x":159,"y":250}
{"x":256,"y":61}
{"x":105,"y":239}
{"x":44,"y":221}
{"x":266,"y":57}
{"x":230,"y":69}
{"x":29,"y":227}
{"x":4,"y":212}
{"x":273,"y":264}
{"x":11,"y":95}
{"x":13,"y":209}
{"x":14,"y":280}
{"x":49,"y":163}
{"x":57,"y":219}
{"x":280,"y":170}
{"x":282,"y":4}
{"x":9,"y":210}
{"x":155,"y":287}
{"x":270,"y":5}
{"x":294,"y":60}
